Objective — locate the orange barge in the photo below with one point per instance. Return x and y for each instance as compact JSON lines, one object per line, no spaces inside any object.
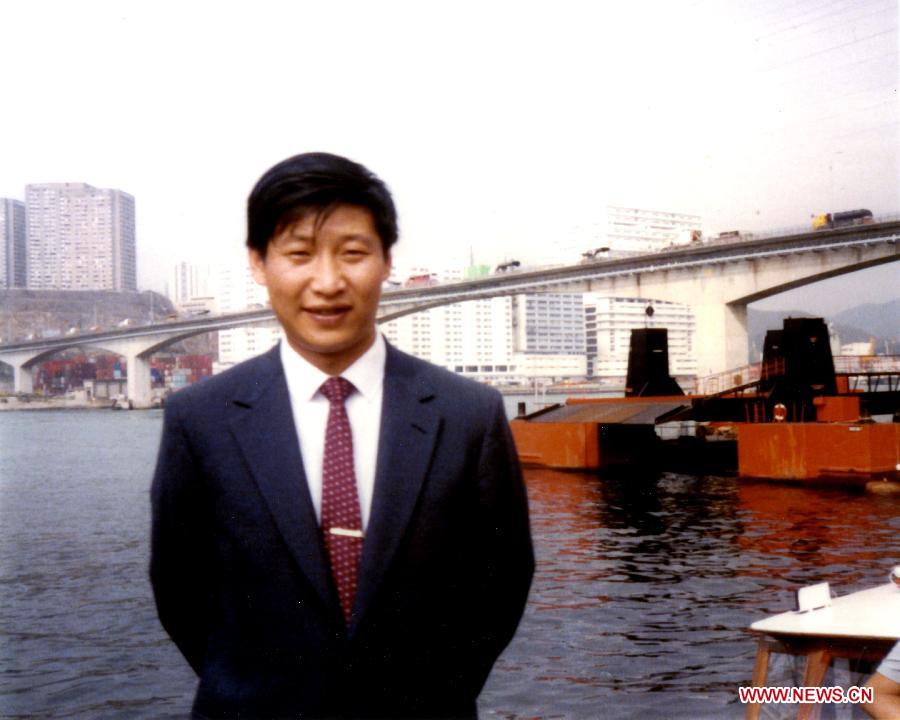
{"x":848,"y":451}
{"x":592,"y":434}
{"x":799,"y":422}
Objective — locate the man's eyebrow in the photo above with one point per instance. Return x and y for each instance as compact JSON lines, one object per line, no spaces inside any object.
{"x":358,"y":236}
{"x":302,"y":235}
{"x":299,"y":235}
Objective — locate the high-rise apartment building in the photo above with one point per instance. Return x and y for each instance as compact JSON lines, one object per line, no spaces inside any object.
{"x":13,"y":268}
{"x":80,"y":237}
{"x":610,"y":320}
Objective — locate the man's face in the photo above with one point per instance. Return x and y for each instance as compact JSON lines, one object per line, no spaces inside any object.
{"x":325,"y":284}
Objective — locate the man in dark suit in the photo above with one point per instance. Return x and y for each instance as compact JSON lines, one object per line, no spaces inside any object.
{"x":324,"y":547}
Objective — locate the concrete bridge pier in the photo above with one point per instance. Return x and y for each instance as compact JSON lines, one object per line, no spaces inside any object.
{"x":138,"y":379}
{"x":721,"y":337}
{"x":23,"y":380}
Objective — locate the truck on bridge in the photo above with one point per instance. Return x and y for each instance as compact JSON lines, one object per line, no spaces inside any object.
{"x":830,"y":221}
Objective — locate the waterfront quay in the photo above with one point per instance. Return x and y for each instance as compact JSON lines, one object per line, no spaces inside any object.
{"x":645,"y":585}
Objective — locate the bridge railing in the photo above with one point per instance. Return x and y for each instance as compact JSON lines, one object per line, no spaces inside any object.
{"x":801,"y":229}
{"x":719,"y":382}
{"x":860,"y":364}
{"x":843,"y":365}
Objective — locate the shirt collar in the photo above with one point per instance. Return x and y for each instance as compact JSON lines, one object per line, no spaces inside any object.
{"x":304,"y":379}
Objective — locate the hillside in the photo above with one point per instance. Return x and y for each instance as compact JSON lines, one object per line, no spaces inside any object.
{"x":882,"y":321}
{"x":857,"y":324}
{"x":52,"y":312}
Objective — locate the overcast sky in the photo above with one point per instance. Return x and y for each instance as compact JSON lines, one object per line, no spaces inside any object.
{"x":498,"y":125}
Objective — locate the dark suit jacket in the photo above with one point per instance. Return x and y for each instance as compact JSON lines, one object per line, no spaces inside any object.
{"x":242,"y":582}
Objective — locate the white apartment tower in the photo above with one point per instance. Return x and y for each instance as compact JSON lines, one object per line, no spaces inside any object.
{"x":619,"y":232}
{"x":610,"y":320}
{"x":13,"y":269}
{"x":234,"y":290}
{"x":471,"y":338}
{"x":188,"y":281}
{"x":498,"y":340}
{"x":80,"y":237}
{"x":635,"y":230}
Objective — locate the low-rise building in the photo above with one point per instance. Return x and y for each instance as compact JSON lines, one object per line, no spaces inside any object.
{"x":610,"y":320}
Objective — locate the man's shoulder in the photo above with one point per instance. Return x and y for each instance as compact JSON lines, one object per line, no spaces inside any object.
{"x":243,"y":378}
{"x":452,"y":388}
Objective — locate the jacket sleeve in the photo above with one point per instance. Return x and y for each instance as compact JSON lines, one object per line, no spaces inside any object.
{"x":180,"y":549}
{"x":503,"y":529}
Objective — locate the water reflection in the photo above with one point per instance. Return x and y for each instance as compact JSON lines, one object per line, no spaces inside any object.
{"x":646,"y":584}
{"x":799,"y":536}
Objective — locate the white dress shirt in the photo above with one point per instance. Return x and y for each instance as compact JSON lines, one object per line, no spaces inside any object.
{"x":310,"y":410}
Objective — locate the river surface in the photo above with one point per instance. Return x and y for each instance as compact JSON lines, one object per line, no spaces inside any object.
{"x":643,"y":589}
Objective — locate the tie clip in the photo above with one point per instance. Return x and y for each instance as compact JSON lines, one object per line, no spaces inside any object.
{"x":344,"y":532}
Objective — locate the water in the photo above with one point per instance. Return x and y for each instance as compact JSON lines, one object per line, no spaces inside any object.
{"x":643,"y":590}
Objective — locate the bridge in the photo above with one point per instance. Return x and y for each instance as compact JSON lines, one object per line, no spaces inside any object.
{"x":718,"y":280}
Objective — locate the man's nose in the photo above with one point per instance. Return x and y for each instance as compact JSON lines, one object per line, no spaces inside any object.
{"x":328,"y":276}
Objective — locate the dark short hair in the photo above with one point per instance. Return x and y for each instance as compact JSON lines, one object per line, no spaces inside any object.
{"x":318,"y":182}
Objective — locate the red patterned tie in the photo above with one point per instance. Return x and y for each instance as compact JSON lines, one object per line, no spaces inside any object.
{"x":341,"y":521}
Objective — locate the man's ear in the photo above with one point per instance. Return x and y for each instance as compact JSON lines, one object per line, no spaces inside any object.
{"x":387,"y":266}
{"x":257,"y":266}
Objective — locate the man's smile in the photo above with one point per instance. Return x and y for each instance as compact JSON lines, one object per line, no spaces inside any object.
{"x":328,"y":317}
{"x":328,"y":311}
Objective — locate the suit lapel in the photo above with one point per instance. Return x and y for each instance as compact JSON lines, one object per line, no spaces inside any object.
{"x":409,"y":430}
{"x":263,"y":425}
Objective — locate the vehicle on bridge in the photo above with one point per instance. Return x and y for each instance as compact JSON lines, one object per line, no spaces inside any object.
{"x":693,"y":238}
{"x":830,"y":221}
{"x":600,"y":253}
{"x":424,"y":280}
{"x":508,"y":266}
